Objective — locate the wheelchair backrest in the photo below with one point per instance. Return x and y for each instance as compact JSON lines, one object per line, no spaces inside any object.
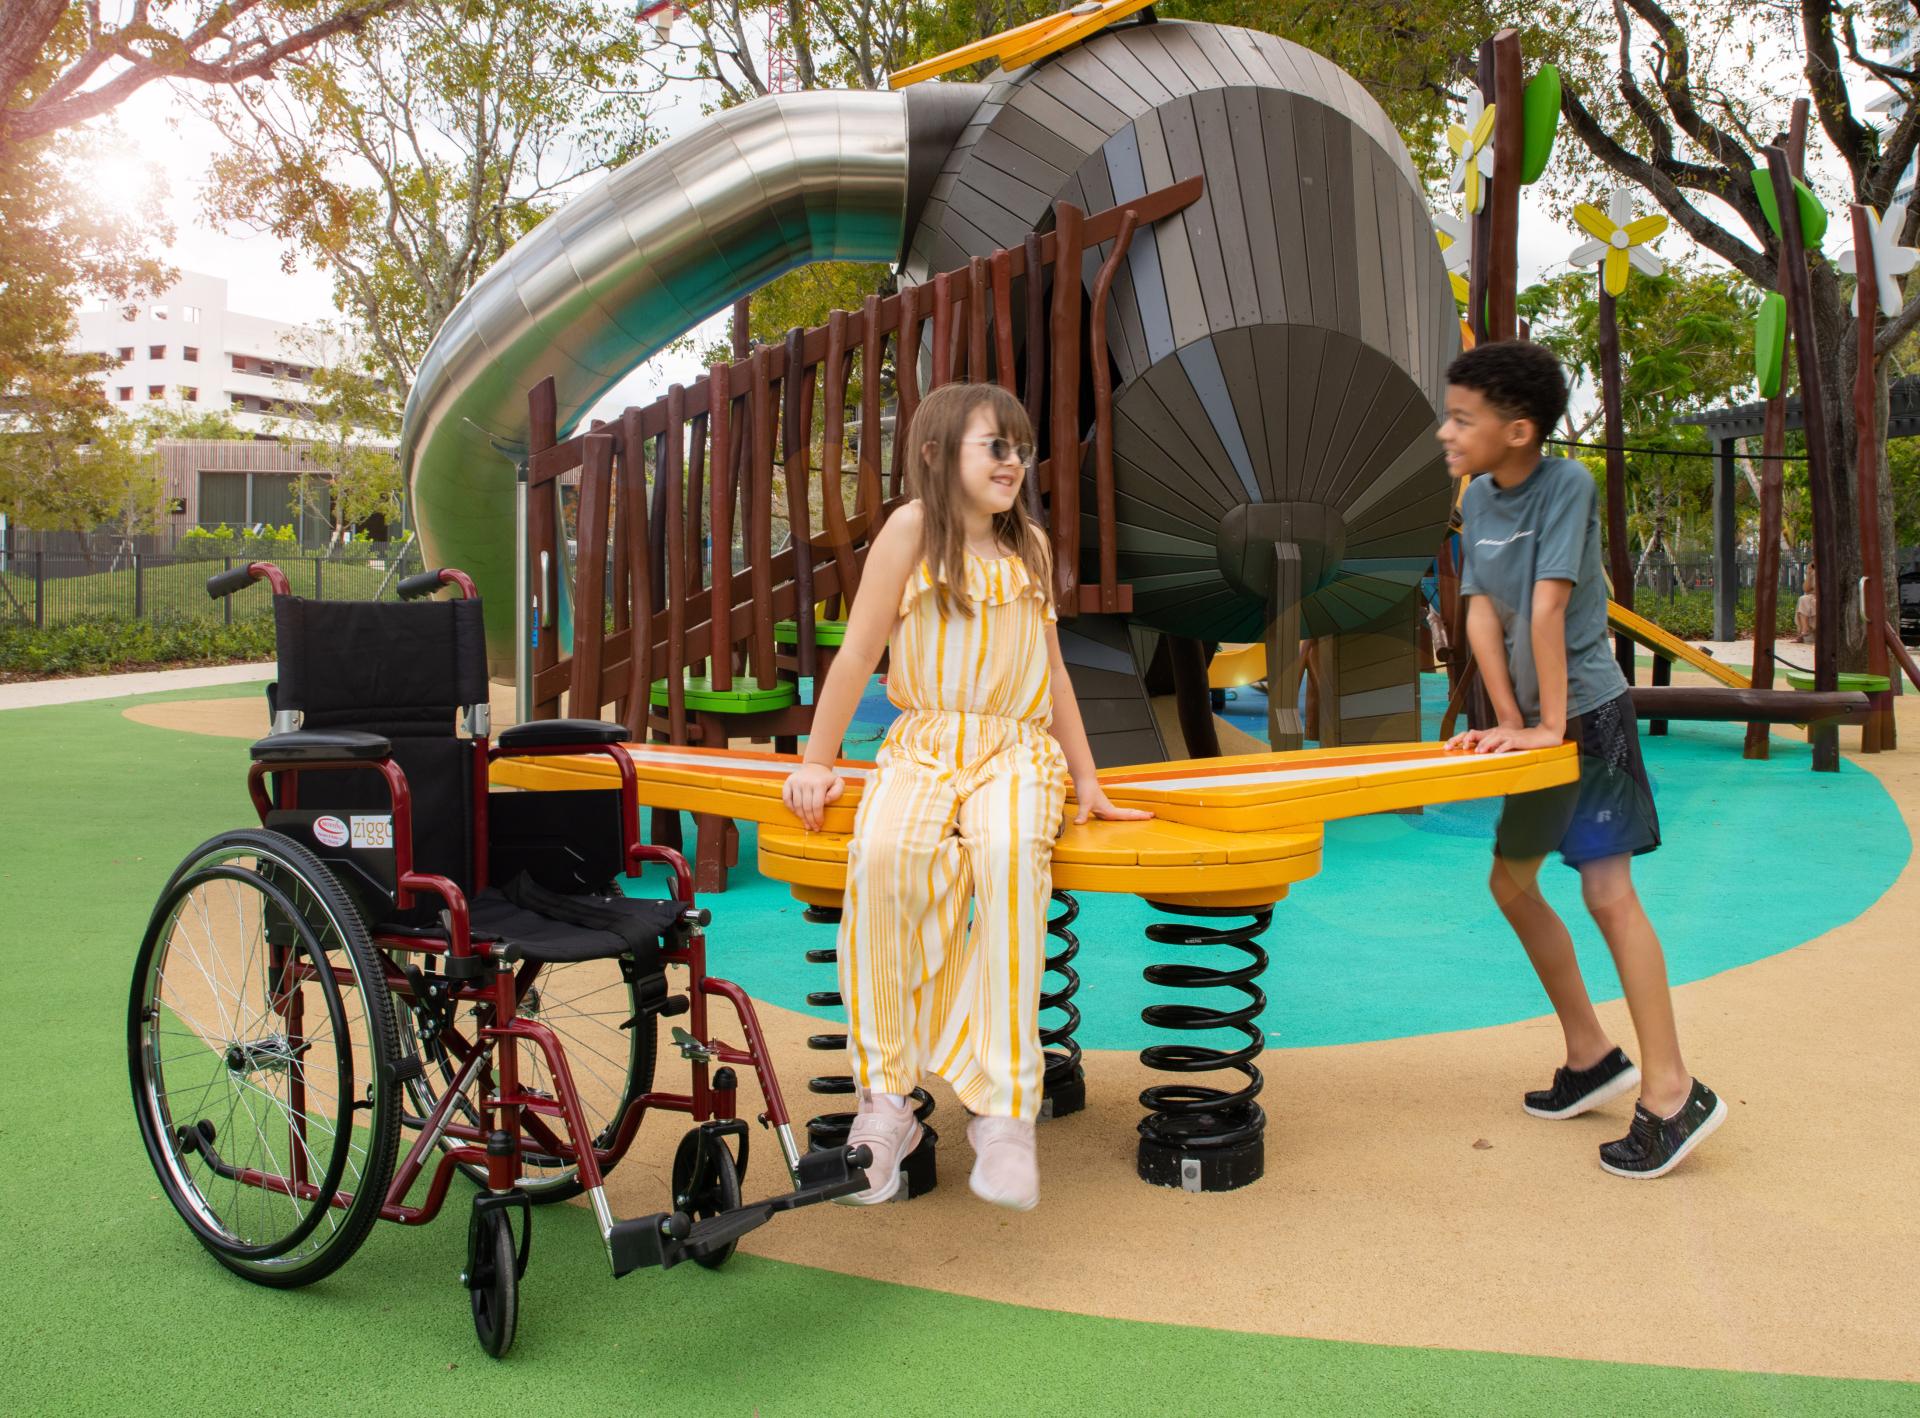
{"x":401,"y":669}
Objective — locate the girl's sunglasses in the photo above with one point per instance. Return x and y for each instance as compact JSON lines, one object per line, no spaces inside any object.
{"x":1003,"y":450}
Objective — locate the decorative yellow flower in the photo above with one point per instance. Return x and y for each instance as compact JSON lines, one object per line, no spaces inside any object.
{"x":1472,"y":144}
{"x":1619,"y":240}
{"x":1451,"y":233}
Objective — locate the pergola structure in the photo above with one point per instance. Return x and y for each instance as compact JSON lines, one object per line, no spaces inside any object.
{"x":1725,"y":426}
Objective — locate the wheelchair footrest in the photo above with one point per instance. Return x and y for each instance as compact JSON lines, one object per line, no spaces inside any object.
{"x":666,"y":1240}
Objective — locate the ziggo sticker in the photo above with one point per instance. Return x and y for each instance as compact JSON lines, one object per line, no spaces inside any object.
{"x":330,"y":832}
{"x":376,"y":832}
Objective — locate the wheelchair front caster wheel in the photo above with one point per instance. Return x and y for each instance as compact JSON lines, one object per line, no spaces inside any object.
{"x":493,"y":1281}
{"x":706,"y":1182}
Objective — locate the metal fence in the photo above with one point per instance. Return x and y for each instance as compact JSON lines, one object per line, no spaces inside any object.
{"x":41,"y":588}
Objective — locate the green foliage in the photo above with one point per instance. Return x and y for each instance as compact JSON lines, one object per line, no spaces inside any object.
{"x":95,"y":644}
{"x":406,"y":157}
{"x":1689,"y":614}
{"x":213,"y":543}
{"x":805,"y":297}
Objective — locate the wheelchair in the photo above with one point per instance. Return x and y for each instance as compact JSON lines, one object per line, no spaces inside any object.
{"x":398,"y":954}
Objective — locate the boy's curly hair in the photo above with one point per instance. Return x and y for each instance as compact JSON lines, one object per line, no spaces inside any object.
{"x":1521,"y":380}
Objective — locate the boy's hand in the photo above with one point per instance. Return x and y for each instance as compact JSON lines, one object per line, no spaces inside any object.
{"x":808,"y":790}
{"x":1505,"y":740}
{"x":1093,"y":802}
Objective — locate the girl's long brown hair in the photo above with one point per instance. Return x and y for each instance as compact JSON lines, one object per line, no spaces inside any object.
{"x":939,"y":425}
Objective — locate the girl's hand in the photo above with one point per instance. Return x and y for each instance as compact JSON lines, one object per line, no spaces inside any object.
{"x":1512,"y":740}
{"x":808,"y":790}
{"x":1093,"y":802}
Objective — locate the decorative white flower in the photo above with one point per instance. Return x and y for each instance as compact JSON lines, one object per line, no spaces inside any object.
{"x":1472,"y":144}
{"x":1619,"y":240}
{"x":1451,"y":233}
{"x":1890,"y":262}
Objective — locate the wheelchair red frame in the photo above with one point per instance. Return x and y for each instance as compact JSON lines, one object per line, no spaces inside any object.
{"x":515,"y":1119}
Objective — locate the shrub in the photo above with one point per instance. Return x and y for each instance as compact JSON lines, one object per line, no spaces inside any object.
{"x":95,"y":644}
{"x":1689,"y":614}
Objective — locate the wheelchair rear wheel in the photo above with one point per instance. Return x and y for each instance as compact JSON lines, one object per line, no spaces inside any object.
{"x":260,"y":1044}
{"x":593,"y":1006}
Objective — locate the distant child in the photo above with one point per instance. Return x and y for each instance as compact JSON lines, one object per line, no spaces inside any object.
{"x":1806,"y":610}
{"x":966,"y":800}
{"x":1537,"y":625}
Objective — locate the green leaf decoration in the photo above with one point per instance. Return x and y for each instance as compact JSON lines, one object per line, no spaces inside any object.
{"x":1813,"y":216}
{"x":1770,"y":343}
{"x":1540,"y":122}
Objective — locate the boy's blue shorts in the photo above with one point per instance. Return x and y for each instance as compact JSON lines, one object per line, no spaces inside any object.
{"x":1608,"y":812}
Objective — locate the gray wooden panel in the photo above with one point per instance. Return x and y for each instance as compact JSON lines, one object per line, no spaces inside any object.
{"x":998,"y":151}
{"x":1186,"y":309}
{"x":1327,"y":425}
{"x":1201,"y":363}
{"x":1370,"y":277}
{"x":1310,"y":158}
{"x":1212,"y":42}
{"x":1217,"y":155}
{"x":1249,"y":400}
{"x":1161,"y":465}
{"x":1177,"y":41}
{"x":1025,"y":202}
{"x":1273,"y":374}
{"x":1255,"y":197}
{"x":1399,"y":419}
{"x":1048,"y":111}
{"x":1103,"y":110}
{"x":1154,"y":512}
{"x":1120,"y":61}
{"x":1346,"y":284}
{"x":1165,"y":387}
{"x":1306,"y":354}
{"x":1289,"y":223}
{"x":999,"y":226}
{"x":1125,"y":338}
{"x":1129,"y":181}
{"x":1172,"y":382}
{"x":1053,"y":148}
{"x":1253,"y":58}
{"x":1201,"y":220}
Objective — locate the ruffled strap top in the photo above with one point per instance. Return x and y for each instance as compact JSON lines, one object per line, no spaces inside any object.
{"x":994,"y":661}
{"x":990,"y":582}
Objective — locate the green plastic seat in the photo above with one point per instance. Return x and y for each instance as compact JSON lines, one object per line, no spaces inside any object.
{"x":745,"y":696}
{"x":825,"y":632}
{"x":1848,"y":682}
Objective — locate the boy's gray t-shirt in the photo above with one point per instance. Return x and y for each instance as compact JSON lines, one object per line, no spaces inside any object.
{"x":1546,"y":529}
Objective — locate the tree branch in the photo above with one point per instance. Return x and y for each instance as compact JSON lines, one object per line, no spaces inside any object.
{"x":1851,"y":138}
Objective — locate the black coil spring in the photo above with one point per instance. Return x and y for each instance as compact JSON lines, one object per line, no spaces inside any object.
{"x":1194,"y":1118}
{"x":1064,"y":1086}
{"x":829,"y":1130}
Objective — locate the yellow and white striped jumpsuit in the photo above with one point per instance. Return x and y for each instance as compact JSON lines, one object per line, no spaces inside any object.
{"x":965,"y":805}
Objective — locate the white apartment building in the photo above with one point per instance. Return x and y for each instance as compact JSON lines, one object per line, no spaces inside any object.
{"x":1901,"y":52}
{"x":186,"y":350}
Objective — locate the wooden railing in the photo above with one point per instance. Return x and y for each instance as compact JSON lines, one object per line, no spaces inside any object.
{"x":709,"y":451}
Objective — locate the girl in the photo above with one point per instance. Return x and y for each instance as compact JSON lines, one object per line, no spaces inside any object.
{"x":966,"y":800}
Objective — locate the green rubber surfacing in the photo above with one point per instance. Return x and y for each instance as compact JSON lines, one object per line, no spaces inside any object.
{"x":111,"y":1307}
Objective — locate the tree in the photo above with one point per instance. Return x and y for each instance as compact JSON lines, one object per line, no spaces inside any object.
{"x":405,"y":158}
{"x":1677,"y":99}
{"x":348,"y":425}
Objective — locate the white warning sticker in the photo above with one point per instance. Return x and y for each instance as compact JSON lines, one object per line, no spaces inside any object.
{"x":330,"y":832}
{"x":374,"y":832}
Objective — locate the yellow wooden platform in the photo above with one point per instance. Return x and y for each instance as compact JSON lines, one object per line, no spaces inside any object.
{"x":1226,"y":831}
{"x":1642,"y":631}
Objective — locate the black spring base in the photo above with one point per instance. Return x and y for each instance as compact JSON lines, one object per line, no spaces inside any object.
{"x":919,"y":1173}
{"x":1064,"y":1084}
{"x":1197,"y":1137}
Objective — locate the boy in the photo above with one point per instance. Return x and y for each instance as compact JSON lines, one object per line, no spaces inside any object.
{"x":1537,"y":623}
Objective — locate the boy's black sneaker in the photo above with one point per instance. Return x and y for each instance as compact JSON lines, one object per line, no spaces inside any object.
{"x":1654,"y":1146}
{"x":1577,"y":1090}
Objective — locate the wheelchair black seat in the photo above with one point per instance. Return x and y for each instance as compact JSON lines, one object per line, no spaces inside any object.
{"x":560,"y":928}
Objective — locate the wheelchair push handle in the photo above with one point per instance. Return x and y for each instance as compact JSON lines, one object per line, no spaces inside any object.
{"x":224,"y":583}
{"x":427,"y":582}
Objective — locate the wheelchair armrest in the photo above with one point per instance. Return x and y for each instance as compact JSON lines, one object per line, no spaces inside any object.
{"x":321,"y":746}
{"x":552,"y":733}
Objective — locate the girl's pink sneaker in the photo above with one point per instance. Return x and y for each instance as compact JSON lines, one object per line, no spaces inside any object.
{"x":1006,"y":1169}
{"x":889,"y":1131}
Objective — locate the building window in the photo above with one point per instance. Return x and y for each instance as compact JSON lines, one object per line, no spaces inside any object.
{"x":189,"y":393}
{"x":190,"y":314}
{"x":245,"y":499}
{"x":126,"y":354}
{"x":156,"y":351}
{"x":190,"y":353}
{"x":238,"y":401}
{"x":156,"y":391}
{"x":125,"y":392}
{"x":240,"y":363}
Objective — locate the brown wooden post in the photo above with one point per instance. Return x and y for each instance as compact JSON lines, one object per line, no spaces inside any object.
{"x":1104,"y":507}
{"x":1866,"y":461}
{"x":639,"y":584}
{"x":942,"y":332}
{"x":1035,"y":391}
{"x":833,"y":371}
{"x":867,"y":488}
{"x":1063,"y":447}
{"x":721,"y":475}
{"x":742,"y":329}
{"x":543,"y":540}
{"x":620,"y":588}
{"x":906,"y":376}
{"x":1000,"y":269}
{"x":1813,"y":418}
{"x":760,"y":549}
{"x":1503,"y":226}
{"x":1480,"y":223}
{"x":1619,"y":564}
{"x":796,"y":437}
{"x":978,"y":295}
{"x":590,"y":577}
{"x":1773,"y":448}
